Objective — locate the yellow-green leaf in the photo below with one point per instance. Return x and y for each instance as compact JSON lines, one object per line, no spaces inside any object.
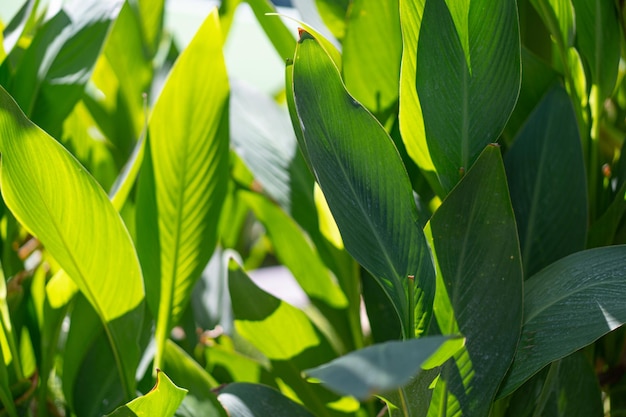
{"x":58,"y":201}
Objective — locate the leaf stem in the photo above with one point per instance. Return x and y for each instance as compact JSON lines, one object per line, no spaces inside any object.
{"x":548,"y":386}
{"x":410,"y":332}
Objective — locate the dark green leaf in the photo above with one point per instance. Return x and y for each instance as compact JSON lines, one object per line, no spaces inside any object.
{"x":383,"y":367}
{"x":575,"y":301}
{"x":254,"y":400}
{"x":547,"y":180}
{"x":479,"y":287}
{"x":366,"y":186}
{"x":468,"y":78}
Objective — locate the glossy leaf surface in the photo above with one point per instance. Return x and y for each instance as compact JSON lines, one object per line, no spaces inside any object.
{"x":575,"y":300}
{"x":184,"y":178}
{"x":365,"y":184}
{"x":479,"y":291}
{"x":383,"y":367}
{"x":61,"y":204}
{"x":467,"y":90}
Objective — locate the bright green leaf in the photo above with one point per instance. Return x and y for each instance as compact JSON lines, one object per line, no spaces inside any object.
{"x":61,"y":204}
{"x":184,"y":179}
{"x":365,"y":184}
{"x":280,"y":36}
{"x":575,"y":300}
{"x":163,"y":400}
{"x":372,"y":49}
{"x":479,"y":287}
{"x":333,"y":14}
{"x":558,"y":16}
{"x":598,"y":39}
{"x":383,"y":367}
{"x":550,"y":208}
{"x":466,"y":100}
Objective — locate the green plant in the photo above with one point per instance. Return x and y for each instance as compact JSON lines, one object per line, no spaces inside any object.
{"x":455,"y":168}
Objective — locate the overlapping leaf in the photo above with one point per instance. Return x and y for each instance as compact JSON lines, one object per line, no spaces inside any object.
{"x":61,"y":204}
{"x":366,"y":186}
{"x":575,"y":300}
{"x":468,"y":75}
{"x":184,"y":178}
{"x":479,"y":291}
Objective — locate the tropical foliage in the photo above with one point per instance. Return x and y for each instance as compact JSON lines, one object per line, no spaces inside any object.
{"x":444,"y":181}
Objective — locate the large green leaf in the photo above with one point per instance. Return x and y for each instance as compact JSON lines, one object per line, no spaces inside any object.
{"x":550,"y":208}
{"x":184,"y":178}
{"x":383,"y":367}
{"x":255,"y":400}
{"x":52,"y":74}
{"x":372,"y":49}
{"x":163,"y":400}
{"x":479,"y":286}
{"x":61,"y":204}
{"x":467,"y":78}
{"x":575,"y":300}
{"x":365,"y":184}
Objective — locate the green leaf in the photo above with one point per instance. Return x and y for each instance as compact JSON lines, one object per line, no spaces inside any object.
{"x":282,"y":333}
{"x":163,"y":400}
{"x":61,"y":204}
{"x":575,"y":300}
{"x":333,"y":14}
{"x":254,"y":400}
{"x":558,"y":16}
{"x":6,"y":397}
{"x":383,"y":367}
{"x":365,"y":184}
{"x":479,"y":287}
{"x":53,"y":72}
{"x":468,"y":92}
{"x":598,"y":39}
{"x":410,"y":113}
{"x":182,"y":368}
{"x":372,"y":49}
{"x":151,"y":15}
{"x":572,"y":390}
{"x":184,"y":178}
{"x":550,"y":208}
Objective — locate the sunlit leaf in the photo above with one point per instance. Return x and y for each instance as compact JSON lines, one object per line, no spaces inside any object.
{"x":163,"y":400}
{"x":479,"y":287}
{"x":372,"y":49}
{"x":61,"y":204}
{"x":575,"y":300}
{"x":365,"y":184}
{"x":184,"y":178}
{"x":467,"y":90}
{"x":53,"y":72}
